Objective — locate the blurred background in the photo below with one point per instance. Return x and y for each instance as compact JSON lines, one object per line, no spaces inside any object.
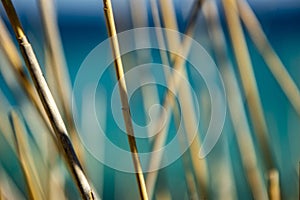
{"x":235,"y":165}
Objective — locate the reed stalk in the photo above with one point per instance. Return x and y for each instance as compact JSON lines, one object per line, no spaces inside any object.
{"x":274,"y":186}
{"x":248,"y":81}
{"x":235,"y":103}
{"x":26,"y":161}
{"x":8,"y":136}
{"x":110,"y":22}
{"x":49,"y":104}
{"x":272,"y":60}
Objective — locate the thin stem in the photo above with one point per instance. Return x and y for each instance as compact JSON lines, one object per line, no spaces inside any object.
{"x":26,"y":161}
{"x":110,"y":22}
{"x":49,"y":104}
{"x":274,"y":187}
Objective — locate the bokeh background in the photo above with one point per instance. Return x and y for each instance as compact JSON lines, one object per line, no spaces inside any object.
{"x":82,"y":27}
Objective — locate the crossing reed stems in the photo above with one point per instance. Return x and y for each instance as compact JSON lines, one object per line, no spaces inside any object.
{"x":49,"y":104}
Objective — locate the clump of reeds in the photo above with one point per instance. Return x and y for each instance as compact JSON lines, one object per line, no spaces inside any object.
{"x":49,"y":104}
{"x":53,"y":108}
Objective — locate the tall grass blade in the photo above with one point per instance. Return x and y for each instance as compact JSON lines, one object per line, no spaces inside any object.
{"x":26,"y":161}
{"x":124,"y":99}
{"x":274,"y":186}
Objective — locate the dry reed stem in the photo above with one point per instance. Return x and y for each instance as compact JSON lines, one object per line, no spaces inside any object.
{"x":163,"y":195}
{"x":248,"y":81}
{"x":123,"y":95}
{"x":59,"y":71}
{"x":235,"y":103}
{"x":49,"y":104}
{"x":6,"y":131}
{"x":25,"y":159}
{"x":274,"y":186}
{"x":173,"y":82}
{"x":264,"y":47}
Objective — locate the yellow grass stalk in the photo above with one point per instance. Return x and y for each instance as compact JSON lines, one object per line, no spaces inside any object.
{"x":163,"y":195}
{"x":235,"y":103}
{"x":5,"y":130}
{"x":57,"y":65}
{"x":124,"y":99}
{"x":49,"y":104}
{"x":264,"y":47}
{"x":248,"y":81}
{"x":274,"y":186}
{"x":26,"y":161}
